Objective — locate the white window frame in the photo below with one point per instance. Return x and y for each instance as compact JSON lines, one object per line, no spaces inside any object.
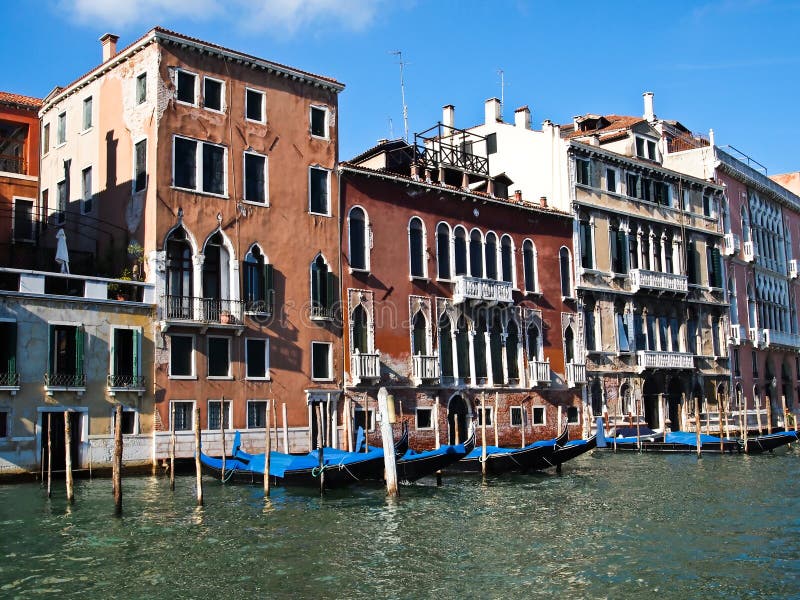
{"x":198,"y":177}
{"x":537,"y":289}
{"x":84,"y":127}
{"x":325,"y":110}
{"x":208,"y":357}
{"x":61,"y":132}
{"x":370,"y":414}
{"x":330,"y":361}
{"x":111,"y":346}
{"x":172,"y":412}
{"x":223,"y":106}
{"x":328,"y":194}
{"x":267,"y":407}
{"x":488,"y":410}
{"x":543,"y":408}
{"x":14,"y":237}
{"x":46,"y":139}
{"x":133,"y":160}
{"x":514,"y":281}
{"x":580,"y":159}
{"x":450,"y":247}
{"x":127,"y":409}
{"x":60,"y":216}
{"x":193,"y":358}
{"x":263,"y":94}
{"x":196,"y":92}
{"x":521,"y":416}
{"x":617,"y":183}
{"x":266,"y":179}
{"x":577,"y":420}
{"x":84,"y":190}
{"x":223,"y":402}
{"x":424,"y":231}
{"x":266,"y":376}
{"x":367,"y":240}
{"x":140,"y":77}
{"x":416,"y":418}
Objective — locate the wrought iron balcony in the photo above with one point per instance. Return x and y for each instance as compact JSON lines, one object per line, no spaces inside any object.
{"x":731,"y":245}
{"x":322,"y":313}
{"x":658,"y":282}
{"x":793,"y":268}
{"x":10,"y":163}
{"x":9,"y":380}
{"x":773,"y":337}
{"x":126,"y":382}
{"x":757,"y":336}
{"x":365,"y":366}
{"x":650,"y":359}
{"x":65,"y":381}
{"x":481,"y":290}
{"x":425,"y":368}
{"x":539,"y":372}
{"x":193,"y":309}
{"x":576,"y":374}
{"x":749,"y":251}
{"x":736,"y":334}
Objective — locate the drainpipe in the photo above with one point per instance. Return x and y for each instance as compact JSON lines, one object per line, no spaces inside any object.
{"x":341,"y":272}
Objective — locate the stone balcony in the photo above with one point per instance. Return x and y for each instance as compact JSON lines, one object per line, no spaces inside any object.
{"x":425,"y":368}
{"x":731,"y":244}
{"x":194,"y":310}
{"x":539,"y":372}
{"x":576,"y":374}
{"x":656,"y":281}
{"x":650,"y":359}
{"x":756,"y":336}
{"x":749,"y":251}
{"x":736,"y":334}
{"x":774,"y":338}
{"x":365,"y":367}
{"x":481,"y":290}
{"x":793,"y":268}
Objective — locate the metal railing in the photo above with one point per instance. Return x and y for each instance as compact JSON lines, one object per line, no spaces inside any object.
{"x":319,"y":312}
{"x":477,"y":288}
{"x":425,"y":367}
{"x":576,"y":374}
{"x":658,"y":281}
{"x":9,"y":379}
{"x":205,"y":310}
{"x":539,"y":372}
{"x":65,"y":380}
{"x":731,"y":245}
{"x":650,"y":359}
{"x":365,"y":366}
{"x":13,"y":164}
{"x":125,"y":381}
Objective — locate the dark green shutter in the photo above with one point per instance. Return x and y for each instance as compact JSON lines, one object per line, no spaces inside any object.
{"x":137,"y":342}
{"x":269,"y":291}
{"x":622,"y":241}
{"x":79,"y":341}
{"x":51,"y":345}
{"x":114,"y":341}
{"x":330,"y":291}
{"x":11,"y":342}
{"x":716,"y":259}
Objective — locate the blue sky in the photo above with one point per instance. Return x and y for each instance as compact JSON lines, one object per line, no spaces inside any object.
{"x":727,"y":65}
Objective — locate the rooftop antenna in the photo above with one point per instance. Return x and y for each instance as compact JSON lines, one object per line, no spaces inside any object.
{"x":502,"y":90}
{"x":399,"y":54}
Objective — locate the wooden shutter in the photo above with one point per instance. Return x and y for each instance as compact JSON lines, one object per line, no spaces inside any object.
{"x":330,"y":295}
{"x":79,"y":350}
{"x":622,"y":241}
{"x":716,"y":259}
{"x":114,"y":341}
{"x":51,"y":345}
{"x":137,"y":347}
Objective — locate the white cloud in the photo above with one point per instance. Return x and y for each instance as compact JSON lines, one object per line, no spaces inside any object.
{"x":288,"y":16}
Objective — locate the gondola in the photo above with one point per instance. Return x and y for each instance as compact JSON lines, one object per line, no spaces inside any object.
{"x":416,"y":465}
{"x":769,"y":442}
{"x":499,"y":460}
{"x":674,"y":442}
{"x":572,"y":449}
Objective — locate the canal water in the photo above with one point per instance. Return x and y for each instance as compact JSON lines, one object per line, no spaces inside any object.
{"x":611,"y":526}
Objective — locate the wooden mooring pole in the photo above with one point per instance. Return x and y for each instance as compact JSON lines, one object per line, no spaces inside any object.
{"x":697,"y":424}
{"x":436,"y":435}
{"x":222,"y":436}
{"x":321,"y":449}
{"x":68,"y":456}
{"x":117,"y":465}
{"x":390,"y":467}
{"x":267,"y":446}
{"x":494,"y":418}
{"x":285,"y":430}
{"x":197,"y":466}
{"x":172,"y":444}
{"x":483,"y":434}
{"x":49,"y":455}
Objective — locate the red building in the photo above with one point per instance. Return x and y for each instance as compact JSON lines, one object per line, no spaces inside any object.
{"x":451,"y":297}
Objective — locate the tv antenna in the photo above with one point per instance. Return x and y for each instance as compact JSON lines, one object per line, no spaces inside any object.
{"x":399,"y":54}
{"x":502,"y":90}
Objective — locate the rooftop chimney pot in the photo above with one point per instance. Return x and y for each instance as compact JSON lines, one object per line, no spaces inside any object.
{"x":543,"y":201}
{"x":518,"y":195}
{"x":649,"y":115}
{"x":492,"y":111}
{"x":449,"y":115}
{"x":109,"y":43}
{"x":522,"y":117}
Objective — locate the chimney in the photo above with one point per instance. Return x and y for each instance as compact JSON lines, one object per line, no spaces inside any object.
{"x":492,"y":111}
{"x":517,"y":195}
{"x":711,"y":137}
{"x":522,"y":117}
{"x":649,"y":115}
{"x":575,"y":124}
{"x":543,"y":201}
{"x":109,"y":43}
{"x":449,"y":115}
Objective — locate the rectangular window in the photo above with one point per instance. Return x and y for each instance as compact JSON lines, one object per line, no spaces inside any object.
{"x":86,"y":190}
{"x":491,"y":143}
{"x":4,"y":415}
{"x":8,"y":353}
{"x":583,"y":171}
{"x":651,"y":150}
{"x":255,"y":178}
{"x":199,"y":166}
{"x":61,"y":199}
{"x":254,"y":106}
{"x":737,"y":371}
{"x":516,"y":416}
{"x":181,"y":356}
{"x":257,"y":358}
{"x":44,"y":208}
{"x":611,"y":180}
{"x":572,"y":415}
{"x":687,"y":204}
{"x":321,"y":361}
{"x":640,"y":147}
{"x":646,"y":190}
{"x":219,"y":357}
{"x":66,"y":355}
{"x":319,"y":121}
{"x":61,"y":129}
{"x":256,"y":414}
{"x":661,"y":193}
{"x":587,"y":247}
{"x":126,"y":348}
{"x":318,"y":191}
{"x":46,"y":139}
{"x":23,"y":221}
{"x":487,"y":410}
{"x":707,"y":206}
{"x":424,"y":418}
{"x":754,"y":363}
{"x":141,"y":88}
{"x":213,"y":93}
{"x":219,"y":414}
{"x":186,"y":83}
{"x":622,"y":334}
{"x":363,"y":419}
{"x":87,"y":113}
{"x":538,"y":415}
{"x":632,"y":185}
{"x":140,"y":166}
{"x":182,"y":415}
{"x":128,"y":421}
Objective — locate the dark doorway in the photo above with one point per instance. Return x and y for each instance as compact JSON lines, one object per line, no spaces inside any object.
{"x":57,"y":439}
{"x":457,"y":412}
{"x":674,"y":399}
{"x":650,"y":395}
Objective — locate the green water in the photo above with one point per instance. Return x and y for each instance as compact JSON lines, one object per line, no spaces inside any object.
{"x":611,"y":526}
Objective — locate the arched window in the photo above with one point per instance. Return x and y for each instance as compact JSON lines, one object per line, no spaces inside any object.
{"x":532,"y":338}
{"x":360,"y":330}
{"x":179,"y":276}
{"x":625,"y":399}
{"x":445,"y":346}
{"x":216,"y":269}
{"x":419,"y":335}
{"x":496,"y":350}
{"x":416,"y":247}
{"x":565,"y":266}
{"x":751,"y":307}
{"x":490,"y":250}
{"x":462,"y":348}
{"x":732,"y":300}
{"x":569,"y":345}
{"x":512,"y":350}
{"x":322,"y":289}
{"x":529,"y":265}
{"x":475,"y":253}
{"x":443,"y":251}
{"x":460,"y":250}
{"x":507,"y":258}
{"x":257,"y":279}
{"x":745,"y":225}
{"x":357,"y":229}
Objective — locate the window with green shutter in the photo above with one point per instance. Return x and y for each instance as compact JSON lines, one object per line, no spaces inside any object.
{"x":8,"y":353}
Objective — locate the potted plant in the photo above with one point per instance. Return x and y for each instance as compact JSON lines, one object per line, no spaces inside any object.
{"x":120,"y":291}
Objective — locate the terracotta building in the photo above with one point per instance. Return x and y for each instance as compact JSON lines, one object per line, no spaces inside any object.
{"x":212,"y":172}
{"x":451,"y":296}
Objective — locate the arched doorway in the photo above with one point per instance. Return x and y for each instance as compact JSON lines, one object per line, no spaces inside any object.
{"x":457,"y":420}
{"x":650,"y":395}
{"x":597,"y":398}
{"x":675,"y":392}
